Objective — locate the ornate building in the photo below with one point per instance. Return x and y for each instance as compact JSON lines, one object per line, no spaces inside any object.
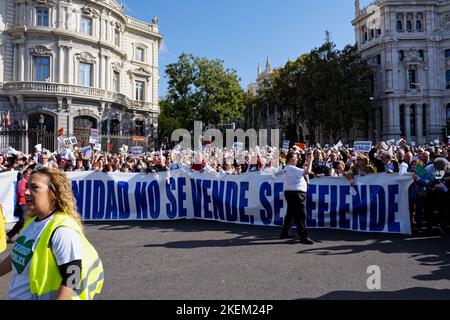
{"x":81,"y":64}
{"x":407,"y":44}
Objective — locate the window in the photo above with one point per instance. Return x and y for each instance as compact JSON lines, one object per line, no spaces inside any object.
{"x":447,"y":77}
{"x":378,"y":59}
{"x":116,"y":81}
{"x":412,"y":79}
{"x":372,"y":33}
{"x":85,"y":78}
{"x":447,"y":53}
{"x":419,"y":25}
{"x":41,"y":68}
{"x":139,"y":128}
{"x":409,"y":26}
{"x":86,"y":25}
{"x":401,"y":55}
{"x":139,"y":54}
{"x":399,"y":26}
{"x":42,"y":15}
{"x":139,"y":86}
{"x":117,"y":37}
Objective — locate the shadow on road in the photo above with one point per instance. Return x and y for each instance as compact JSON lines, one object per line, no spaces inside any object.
{"x":432,"y":250}
{"x":409,"y":294}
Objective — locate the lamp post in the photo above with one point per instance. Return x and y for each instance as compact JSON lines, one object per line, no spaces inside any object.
{"x":41,"y":128}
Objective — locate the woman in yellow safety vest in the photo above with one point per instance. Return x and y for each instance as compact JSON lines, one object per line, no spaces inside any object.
{"x":2,"y":231}
{"x":51,"y":258}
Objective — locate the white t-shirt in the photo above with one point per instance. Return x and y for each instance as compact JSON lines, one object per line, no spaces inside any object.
{"x":295,"y":180}
{"x":66,"y":246}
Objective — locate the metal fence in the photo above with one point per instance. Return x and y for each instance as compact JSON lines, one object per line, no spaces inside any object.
{"x":25,"y":140}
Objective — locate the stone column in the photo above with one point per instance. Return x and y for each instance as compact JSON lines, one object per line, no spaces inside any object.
{"x":61,"y":64}
{"x":15,"y":62}
{"x":435,"y":126}
{"x":419,"y":124}
{"x":107,"y":74}
{"x":100,"y":71}
{"x":60,"y":16}
{"x":69,"y":67}
{"x":406,"y":120}
{"x":21,"y":61}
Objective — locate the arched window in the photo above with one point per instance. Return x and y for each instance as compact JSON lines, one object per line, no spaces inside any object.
{"x":399,"y":23}
{"x":409,"y":26}
{"x":412,"y":120}
{"x":447,"y":77}
{"x":419,"y":25}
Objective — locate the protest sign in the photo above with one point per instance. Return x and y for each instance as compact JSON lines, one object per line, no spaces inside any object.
{"x":71,"y":141}
{"x":285,"y":146}
{"x":86,"y":152}
{"x":98,"y":147}
{"x":362,"y":146}
{"x":94,"y":137}
{"x":238,"y":146}
{"x":136,"y":151}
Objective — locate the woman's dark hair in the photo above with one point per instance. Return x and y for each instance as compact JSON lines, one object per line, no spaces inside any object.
{"x":290,"y":156}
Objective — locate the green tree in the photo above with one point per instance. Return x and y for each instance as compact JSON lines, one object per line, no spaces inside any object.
{"x":325,"y":88}
{"x":201,"y":90}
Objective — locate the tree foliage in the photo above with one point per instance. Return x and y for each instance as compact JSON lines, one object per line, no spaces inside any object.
{"x":325,"y":88}
{"x":200,"y":90}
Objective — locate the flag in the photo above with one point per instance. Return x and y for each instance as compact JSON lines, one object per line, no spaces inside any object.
{"x":8,"y":120}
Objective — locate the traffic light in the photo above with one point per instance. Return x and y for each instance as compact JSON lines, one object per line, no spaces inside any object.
{"x":444,"y":135}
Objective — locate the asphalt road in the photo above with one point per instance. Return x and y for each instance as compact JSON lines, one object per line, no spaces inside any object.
{"x":190,"y":260}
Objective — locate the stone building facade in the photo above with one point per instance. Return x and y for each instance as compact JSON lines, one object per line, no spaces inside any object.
{"x":407,"y":44}
{"x":81,"y":64}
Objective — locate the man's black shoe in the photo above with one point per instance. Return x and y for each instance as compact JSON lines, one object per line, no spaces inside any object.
{"x":287,"y":236}
{"x":306,"y":241}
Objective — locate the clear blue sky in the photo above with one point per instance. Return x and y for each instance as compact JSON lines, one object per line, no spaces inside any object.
{"x":244,"y":32}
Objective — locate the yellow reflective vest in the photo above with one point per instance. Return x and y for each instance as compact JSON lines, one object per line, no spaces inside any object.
{"x":44,"y":273}
{"x":2,"y":232}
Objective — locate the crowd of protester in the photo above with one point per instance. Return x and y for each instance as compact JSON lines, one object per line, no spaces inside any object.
{"x":428,"y":165}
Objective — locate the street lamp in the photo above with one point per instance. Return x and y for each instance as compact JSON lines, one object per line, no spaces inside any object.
{"x":41,"y":128}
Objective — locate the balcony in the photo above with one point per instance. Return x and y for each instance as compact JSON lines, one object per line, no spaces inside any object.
{"x":141,"y":106}
{"x":67,"y":90}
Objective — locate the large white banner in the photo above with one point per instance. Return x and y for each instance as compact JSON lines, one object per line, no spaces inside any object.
{"x":377,"y":203}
